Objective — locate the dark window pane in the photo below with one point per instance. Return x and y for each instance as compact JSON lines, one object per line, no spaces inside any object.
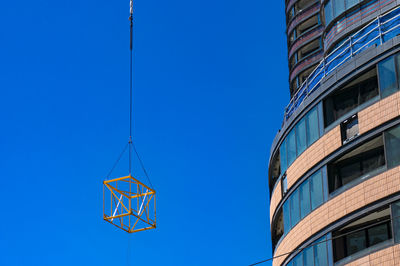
{"x":317,"y":195}
{"x":396,"y":221}
{"x":298,"y":260}
{"x":356,"y":242}
{"x":349,"y":172}
{"x":286,"y":217}
{"x":312,"y":126}
{"x":387,"y":77}
{"x":308,"y":256}
{"x":282,"y":153}
{"x":392,"y":138}
{"x":378,"y":234}
{"x":345,"y":101}
{"x":368,"y":89}
{"x":294,"y":208}
{"x":291,"y":147}
{"x":305,"y":204}
{"x":320,"y":252}
{"x":328,"y":12}
{"x":301,"y":136}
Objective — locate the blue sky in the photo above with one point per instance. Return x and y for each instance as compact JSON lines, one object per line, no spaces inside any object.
{"x":210,"y":85}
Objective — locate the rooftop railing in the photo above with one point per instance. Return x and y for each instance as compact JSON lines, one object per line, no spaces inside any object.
{"x":380,"y":30}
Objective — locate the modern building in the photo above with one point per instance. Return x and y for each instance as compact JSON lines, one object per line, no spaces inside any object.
{"x":334,"y":169}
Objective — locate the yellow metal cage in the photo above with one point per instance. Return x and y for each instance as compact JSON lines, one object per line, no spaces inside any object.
{"x":132,"y":205}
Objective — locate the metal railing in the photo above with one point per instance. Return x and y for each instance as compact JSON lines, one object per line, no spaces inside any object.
{"x":380,"y":30}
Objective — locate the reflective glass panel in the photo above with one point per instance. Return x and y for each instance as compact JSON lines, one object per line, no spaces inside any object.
{"x":286,"y":216}
{"x":392,"y":138}
{"x":328,"y":12}
{"x":351,"y":3}
{"x":396,"y":221}
{"x":282,"y":154}
{"x":312,"y":126}
{"x":320,"y":252}
{"x":305,"y":204}
{"x":294,"y":208}
{"x":298,"y":260}
{"x":387,"y":77}
{"x":301,"y":136}
{"x":308,"y":256}
{"x":317,"y":195}
{"x":291,"y":147}
{"x":338,"y":7}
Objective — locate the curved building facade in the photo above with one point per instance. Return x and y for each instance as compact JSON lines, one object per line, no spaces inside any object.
{"x":334,"y":168}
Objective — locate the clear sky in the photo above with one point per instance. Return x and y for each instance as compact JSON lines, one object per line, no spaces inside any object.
{"x":210,"y":86}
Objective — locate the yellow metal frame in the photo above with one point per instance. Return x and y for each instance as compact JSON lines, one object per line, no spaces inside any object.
{"x":133,"y":205}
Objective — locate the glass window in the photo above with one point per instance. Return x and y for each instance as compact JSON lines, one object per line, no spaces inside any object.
{"x":392,"y":139}
{"x":378,"y":234}
{"x":291,"y":147}
{"x":387,"y":77}
{"x":282,"y":153}
{"x":328,"y":12}
{"x":301,"y":136}
{"x":312,"y":126}
{"x":356,"y":242}
{"x":286,"y":217}
{"x":396,"y":221}
{"x":351,"y":3}
{"x":284,"y":184}
{"x":305,"y":205}
{"x":308,"y":256}
{"x":294,"y":208}
{"x":338,"y":7}
{"x":298,"y":260}
{"x":317,"y":195}
{"x":320,"y":252}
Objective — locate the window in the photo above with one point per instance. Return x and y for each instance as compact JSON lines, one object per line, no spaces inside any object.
{"x":315,"y":254}
{"x":304,"y":133}
{"x":301,"y":136}
{"x":321,"y":252}
{"x":351,"y":3}
{"x":349,"y":128}
{"x":308,"y":196}
{"x":309,"y":49}
{"x":307,"y":25}
{"x":308,"y":256}
{"x":277,"y":229}
{"x":328,"y":12}
{"x":392,"y":139}
{"x":294,"y":208}
{"x":298,"y":260}
{"x":312,"y":126}
{"x":282,"y":152}
{"x":387,"y":77}
{"x":360,"y":162}
{"x":355,"y":93}
{"x":363,"y":233}
{"x":291,"y":147}
{"x":286,"y":216}
{"x":317,"y":195}
{"x":396,"y":221}
{"x":305,"y":207}
{"x":284,"y":185}
{"x":338,"y":7}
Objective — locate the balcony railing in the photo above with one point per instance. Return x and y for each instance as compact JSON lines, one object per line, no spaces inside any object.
{"x":380,"y":30}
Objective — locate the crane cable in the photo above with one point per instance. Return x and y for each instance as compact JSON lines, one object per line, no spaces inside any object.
{"x":131,"y":145}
